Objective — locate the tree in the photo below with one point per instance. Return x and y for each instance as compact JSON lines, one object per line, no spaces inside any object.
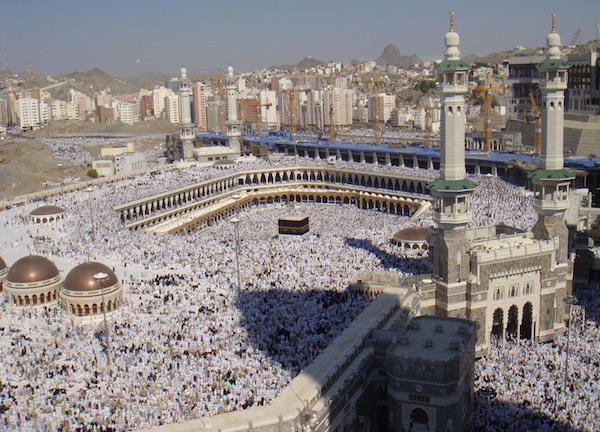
{"x":425,"y":86}
{"x":92,"y":173}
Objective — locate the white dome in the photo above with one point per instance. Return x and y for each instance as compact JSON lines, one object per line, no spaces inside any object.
{"x":553,"y":42}
{"x":452,"y":41}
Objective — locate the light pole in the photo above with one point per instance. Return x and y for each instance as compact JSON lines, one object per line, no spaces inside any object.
{"x":100,"y":278}
{"x":570,"y":301}
{"x":235,"y":221}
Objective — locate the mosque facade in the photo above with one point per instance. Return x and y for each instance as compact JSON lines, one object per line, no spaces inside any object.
{"x":510,"y":281}
{"x":183,"y":146}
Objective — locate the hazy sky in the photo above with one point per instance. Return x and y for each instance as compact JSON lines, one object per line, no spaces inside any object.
{"x":129,"y":37}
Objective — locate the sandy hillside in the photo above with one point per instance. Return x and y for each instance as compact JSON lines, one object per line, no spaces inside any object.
{"x":26,"y":164}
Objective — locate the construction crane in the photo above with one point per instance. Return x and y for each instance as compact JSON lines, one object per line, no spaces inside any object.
{"x":428,"y":119}
{"x":487,"y":110}
{"x":536,"y":115}
{"x":574,"y":39}
{"x":218,"y":80}
{"x":292,"y":92}
{"x":332,"y":131}
{"x":374,"y":82}
{"x":259,"y":115}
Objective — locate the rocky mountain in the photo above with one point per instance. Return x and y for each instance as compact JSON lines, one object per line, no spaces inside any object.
{"x":309,"y":62}
{"x":306,"y":63}
{"x":391,"y":55}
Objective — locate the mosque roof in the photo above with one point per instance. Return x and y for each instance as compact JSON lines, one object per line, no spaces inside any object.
{"x":559,"y":174}
{"x":452,"y":185}
{"x":32,"y":268}
{"x":81,"y":277}
{"x":46,"y":210}
{"x":3,"y":268}
{"x":552,"y":63}
{"x":453,"y":64}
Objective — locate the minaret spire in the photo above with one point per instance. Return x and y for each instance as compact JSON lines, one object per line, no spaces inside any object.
{"x":186,"y":127}
{"x":452,"y":191}
{"x":551,"y":182}
{"x":233,"y":125}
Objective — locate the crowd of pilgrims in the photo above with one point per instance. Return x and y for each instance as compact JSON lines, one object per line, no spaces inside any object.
{"x":188,"y":343}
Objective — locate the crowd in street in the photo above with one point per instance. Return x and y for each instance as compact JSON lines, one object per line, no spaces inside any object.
{"x":537,"y":387}
{"x":190,"y":341}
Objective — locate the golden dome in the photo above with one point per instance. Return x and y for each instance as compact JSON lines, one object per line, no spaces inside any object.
{"x":32,"y":268}
{"x":412,"y":234}
{"x":47,"y":210}
{"x":81,"y":277}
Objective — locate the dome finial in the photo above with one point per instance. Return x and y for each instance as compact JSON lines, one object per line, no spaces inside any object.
{"x":553,"y":23}
{"x":451,"y":21}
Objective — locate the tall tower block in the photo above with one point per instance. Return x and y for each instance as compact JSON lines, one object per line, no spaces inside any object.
{"x":186,"y":127}
{"x":233,"y":125}
{"x":452,"y":191}
{"x":551,"y":182}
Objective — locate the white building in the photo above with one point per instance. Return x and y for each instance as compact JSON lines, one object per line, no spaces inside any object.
{"x":129,"y":112}
{"x":387,"y":104}
{"x":129,"y":162}
{"x":158,"y":99}
{"x":314,"y":109}
{"x":339,"y":102}
{"x":171,"y":107}
{"x":84,"y":103}
{"x":199,"y":104}
{"x":268,"y":109}
{"x":45,"y":112}
{"x":29,"y":113}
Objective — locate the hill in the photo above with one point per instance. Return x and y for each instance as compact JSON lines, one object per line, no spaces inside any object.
{"x":306,"y":63}
{"x":392,"y":56}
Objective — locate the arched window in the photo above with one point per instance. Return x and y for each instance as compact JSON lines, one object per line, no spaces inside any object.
{"x":418,"y":415}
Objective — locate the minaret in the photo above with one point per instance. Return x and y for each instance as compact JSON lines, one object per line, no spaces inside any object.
{"x":186,"y":127}
{"x":551,"y":182}
{"x":232,"y":124}
{"x":452,"y":191}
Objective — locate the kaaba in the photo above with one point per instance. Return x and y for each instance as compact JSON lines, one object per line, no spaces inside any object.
{"x":295,"y":225}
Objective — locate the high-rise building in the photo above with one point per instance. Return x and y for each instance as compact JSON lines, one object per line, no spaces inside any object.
{"x":199,"y":107}
{"x":268,"y":109}
{"x":249,"y":109}
{"x":4,"y":119}
{"x":338,"y":103}
{"x":387,"y":104}
{"x":583,"y":94}
{"x":158,"y":99}
{"x":129,"y":112}
{"x":171,"y":107}
{"x":146,"y":106}
{"x":29,"y":113}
